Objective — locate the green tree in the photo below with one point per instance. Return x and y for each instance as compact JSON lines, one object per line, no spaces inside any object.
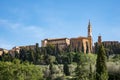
{"x":87,"y":48}
{"x":57,"y":50}
{"x":82,"y":49}
{"x":80,"y":71}
{"x":101,"y":68}
{"x":51,"y":59}
{"x":70,"y":57}
{"x":91,"y":73}
{"x":51,"y":69}
{"x":50,"y":49}
{"x":31,"y":56}
{"x":66,"y":69}
{"x":17,"y":55}
{"x":96,"y":47}
{"x":37,"y":54}
{"x":23,"y":54}
{"x":16,"y":71}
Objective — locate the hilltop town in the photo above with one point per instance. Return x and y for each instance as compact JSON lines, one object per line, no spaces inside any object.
{"x":62,"y":59}
{"x":81,"y":44}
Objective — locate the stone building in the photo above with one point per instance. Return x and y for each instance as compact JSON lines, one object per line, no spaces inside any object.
{"x":79,"y":43}
{"x":3,"y":50}
{"x":61,"y":42}
{"x":109,"y":43}
{"x":111,"y":47}
{"x":17,"y":48}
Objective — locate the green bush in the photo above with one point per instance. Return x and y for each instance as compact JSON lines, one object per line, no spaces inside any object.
{"x":16,"y":71}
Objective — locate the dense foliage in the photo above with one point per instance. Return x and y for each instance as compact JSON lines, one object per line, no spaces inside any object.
{"x":17,"y":71}
{"x":55,"y":64}
{"x":81,"y":72}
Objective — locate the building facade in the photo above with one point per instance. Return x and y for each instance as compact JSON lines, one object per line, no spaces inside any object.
{"x":3,"y":51}
{"x":61,"y":42}
{"x":83,"y":44}
{"x":109,"y":43}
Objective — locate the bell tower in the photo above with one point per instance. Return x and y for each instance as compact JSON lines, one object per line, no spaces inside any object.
{"x":90,"y":36}
{"x":89,"y":29}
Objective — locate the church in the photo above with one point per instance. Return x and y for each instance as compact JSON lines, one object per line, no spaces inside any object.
{"x":81,"y":44}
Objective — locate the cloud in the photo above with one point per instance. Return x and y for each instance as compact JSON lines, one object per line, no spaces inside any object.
{"x":7,"y":24}
{"x":19,"y":34}
{"x":33,"y":31}
{"x":18,"y":28}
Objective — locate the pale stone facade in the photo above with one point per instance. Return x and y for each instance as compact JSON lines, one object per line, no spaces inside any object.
{"x":75,"y":43}
{"x":61,"y":42}
{"x":3,"y":50}
{"x":17,"y":48}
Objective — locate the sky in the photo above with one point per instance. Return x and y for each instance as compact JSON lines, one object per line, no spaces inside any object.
{"x":26,"y":22}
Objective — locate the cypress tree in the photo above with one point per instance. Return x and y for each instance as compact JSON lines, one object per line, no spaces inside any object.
{"x":31,"y":56}
{"x":66,"y":69}
{"x":96,"y":47}
{"x":87,"y":50}
{"x":101,"y":68}
{"x":37,"y":52}
{"x":82,"y":48}
{"x":16,"y":54}
{"x":3,"y":56}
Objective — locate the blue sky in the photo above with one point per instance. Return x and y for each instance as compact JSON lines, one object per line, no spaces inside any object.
{"x":26,"y":22}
